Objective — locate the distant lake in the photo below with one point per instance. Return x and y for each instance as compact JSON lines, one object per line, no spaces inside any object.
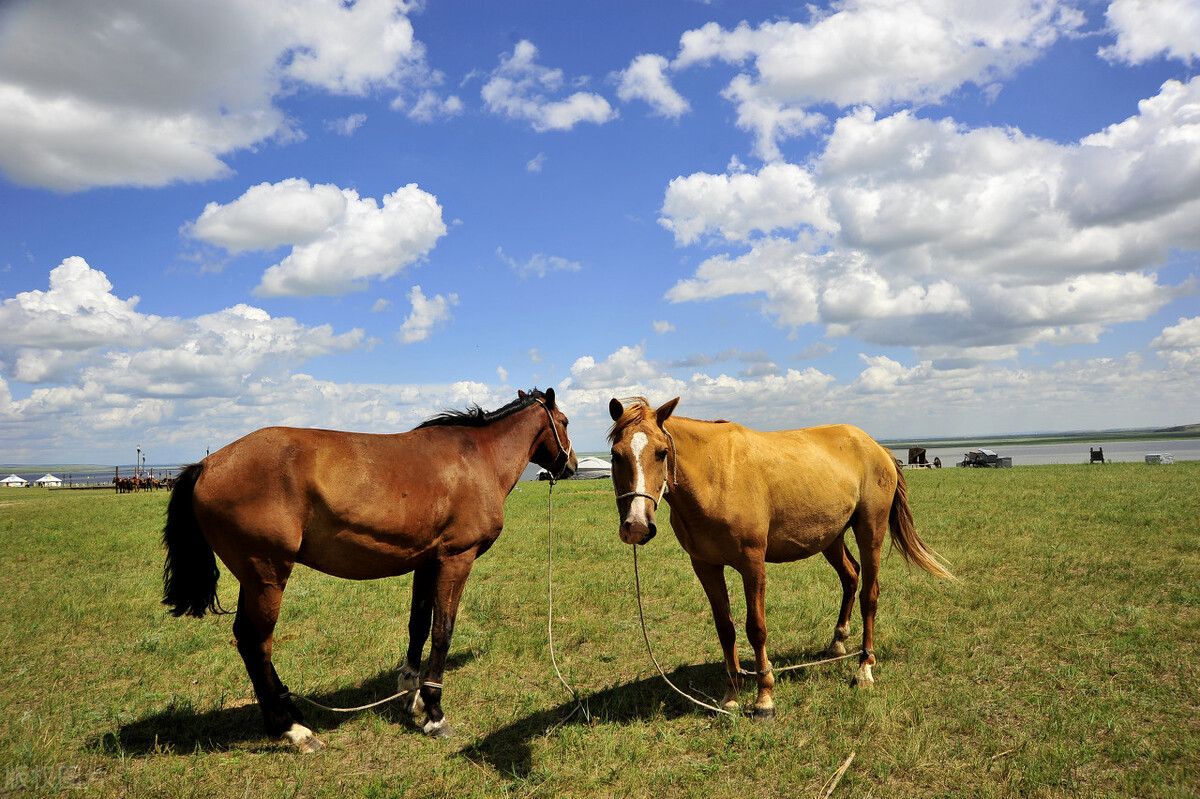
{"x":1187,"y":449}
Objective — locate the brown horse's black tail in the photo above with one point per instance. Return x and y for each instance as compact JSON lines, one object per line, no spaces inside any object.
{"x":190,"y":573}
{"x":904,"y":534}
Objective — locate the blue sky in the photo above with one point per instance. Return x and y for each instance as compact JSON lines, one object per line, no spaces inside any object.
{"x":924,"y":217}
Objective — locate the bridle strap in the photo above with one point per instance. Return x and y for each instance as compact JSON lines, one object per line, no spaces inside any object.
{"x":655,"y":500}
{"x":563,"y":452}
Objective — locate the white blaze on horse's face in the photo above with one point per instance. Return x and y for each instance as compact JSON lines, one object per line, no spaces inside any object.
{"x":638,"y":524}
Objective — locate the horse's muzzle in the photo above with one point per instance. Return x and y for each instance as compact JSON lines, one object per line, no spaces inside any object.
{"x":638,"y":532}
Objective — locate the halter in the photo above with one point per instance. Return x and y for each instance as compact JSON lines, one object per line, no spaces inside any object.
{"x":665,"y":487}
{"x":564,"y":452}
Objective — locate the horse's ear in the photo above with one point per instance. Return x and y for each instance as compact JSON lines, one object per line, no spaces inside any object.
{"x":666,"y":410}
{"x":520,"y":394}
{"x":615,"y":409}
{"x":549,"y":398}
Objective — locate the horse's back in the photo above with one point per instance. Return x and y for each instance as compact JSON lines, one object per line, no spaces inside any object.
{"x":801,"y":488}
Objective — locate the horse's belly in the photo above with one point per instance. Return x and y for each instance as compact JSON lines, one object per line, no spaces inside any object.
{"x":357,"y":555}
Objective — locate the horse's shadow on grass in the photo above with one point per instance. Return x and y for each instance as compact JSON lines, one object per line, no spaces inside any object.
{"x":182,"y":729}
{"x":509,"y":751}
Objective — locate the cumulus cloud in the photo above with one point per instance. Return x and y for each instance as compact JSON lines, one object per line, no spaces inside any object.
{"x":105,"y":93}
{"x":967,"y":244}
{"x":521,"y":89}
{"x":427,"y":312}
{"x":80,"y":333}
{"x":866,"y":52}
{"x":778,"y":197}
{"x":339,"y":241}
{"x":1147,"y":29}
{"x":645,"y":79}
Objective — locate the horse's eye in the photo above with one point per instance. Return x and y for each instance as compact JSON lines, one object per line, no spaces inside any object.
{"x":661,"y":454}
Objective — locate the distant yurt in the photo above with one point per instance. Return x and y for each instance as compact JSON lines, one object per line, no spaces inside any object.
{"x":589,"y":469}
{"x":49,"y":481}
{"x":12,"y":481}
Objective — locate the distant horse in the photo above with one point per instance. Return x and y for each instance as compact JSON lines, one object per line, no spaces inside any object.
{"x":743,"y":498}
{"x":357,"y":506}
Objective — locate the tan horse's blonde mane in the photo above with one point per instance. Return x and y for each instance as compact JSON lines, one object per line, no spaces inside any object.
{"x":636,"y":411}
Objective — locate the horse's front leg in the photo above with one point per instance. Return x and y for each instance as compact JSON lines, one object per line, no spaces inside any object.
{"x":712,"y":578}
{"x":754,"y":580}
{"x":448,"y":587}
{"x":420,"y":619}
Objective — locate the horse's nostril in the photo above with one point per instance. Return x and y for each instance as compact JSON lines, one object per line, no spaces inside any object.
{"x":653,"y":531}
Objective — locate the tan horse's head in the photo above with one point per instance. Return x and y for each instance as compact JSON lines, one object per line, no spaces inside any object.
{"x":640,"y":453}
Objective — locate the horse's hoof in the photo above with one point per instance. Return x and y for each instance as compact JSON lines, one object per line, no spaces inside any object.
{"x":863,"y":679}
{"x":413,"y":706}
{"x":764,"y":714}
{"x":836,"y":649}
{"x":437,"y":729}
{"x":301,"y":738}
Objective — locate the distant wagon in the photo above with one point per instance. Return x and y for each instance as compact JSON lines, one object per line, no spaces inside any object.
{"x":985,"y":458}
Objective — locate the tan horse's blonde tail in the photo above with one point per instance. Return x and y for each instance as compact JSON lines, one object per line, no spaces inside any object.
{"x":904,"y":535}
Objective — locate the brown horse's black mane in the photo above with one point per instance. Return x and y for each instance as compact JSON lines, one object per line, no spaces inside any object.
{"x":474,"y":416}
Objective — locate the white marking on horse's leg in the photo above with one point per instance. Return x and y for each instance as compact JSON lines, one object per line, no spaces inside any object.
{"x":864,"y":679}
{"x":437,"y":729}
{"x":637,"y":506}
{"x":302,"y":738}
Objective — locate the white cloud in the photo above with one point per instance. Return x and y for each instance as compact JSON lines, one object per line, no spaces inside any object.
{"x":431,"y":106}
{"x":536,"y":163}
{"x":1146,"y":29}
{"x":539,"y":265}
{"x":519,"y":89}
{"x":873,"y":53}
{"x":1179,"y":345}
{"x":427,"y":312}
{"x":347,"y":125}
{"x":778,"y":197}
{"x":966,"y":244}
{"x":645,"y":79}
{"x":79,"y":334}
{"x":108,"y":93}
{"x":339,"y":240}
{"x":663,"y":327}
{"x":270,"y":215}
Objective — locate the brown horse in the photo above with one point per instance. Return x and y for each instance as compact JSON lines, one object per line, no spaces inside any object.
{"x":358,"y":506}
{"x":743,"y":498}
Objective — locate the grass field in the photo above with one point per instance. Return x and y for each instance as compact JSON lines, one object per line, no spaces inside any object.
{"x":1065,"y":663}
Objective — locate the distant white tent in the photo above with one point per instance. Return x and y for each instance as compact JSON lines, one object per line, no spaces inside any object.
{"x":12,"y":481}
{"x":49,"y":480}
{"x":589,"y":469}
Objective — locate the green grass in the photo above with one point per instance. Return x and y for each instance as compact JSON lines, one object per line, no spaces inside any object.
{"x":1064,"y":664}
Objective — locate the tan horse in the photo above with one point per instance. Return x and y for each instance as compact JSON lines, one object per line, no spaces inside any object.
{"x":357,"y":506}
{"x":743,"y":498}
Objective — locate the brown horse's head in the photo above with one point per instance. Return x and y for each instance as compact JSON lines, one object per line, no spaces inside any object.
{"x":640,"y":451}
{"x":553,"y":450}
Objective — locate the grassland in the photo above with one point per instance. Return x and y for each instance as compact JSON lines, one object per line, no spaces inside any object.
{"x":1065,"y":663}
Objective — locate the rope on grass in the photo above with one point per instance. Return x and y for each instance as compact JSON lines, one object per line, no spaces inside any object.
{"x":550,"y":601}
{"x":741,"y":672}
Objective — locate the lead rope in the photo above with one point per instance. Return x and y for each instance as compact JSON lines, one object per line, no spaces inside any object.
{"x":646,"y":637}
{"x":550,"y":604}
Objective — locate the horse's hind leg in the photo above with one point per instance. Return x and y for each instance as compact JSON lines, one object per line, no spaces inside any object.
{"x":420,"y":619}
{"x":847,"y":570}
{"x":254,"y":628}
{"x":870,"y":548}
